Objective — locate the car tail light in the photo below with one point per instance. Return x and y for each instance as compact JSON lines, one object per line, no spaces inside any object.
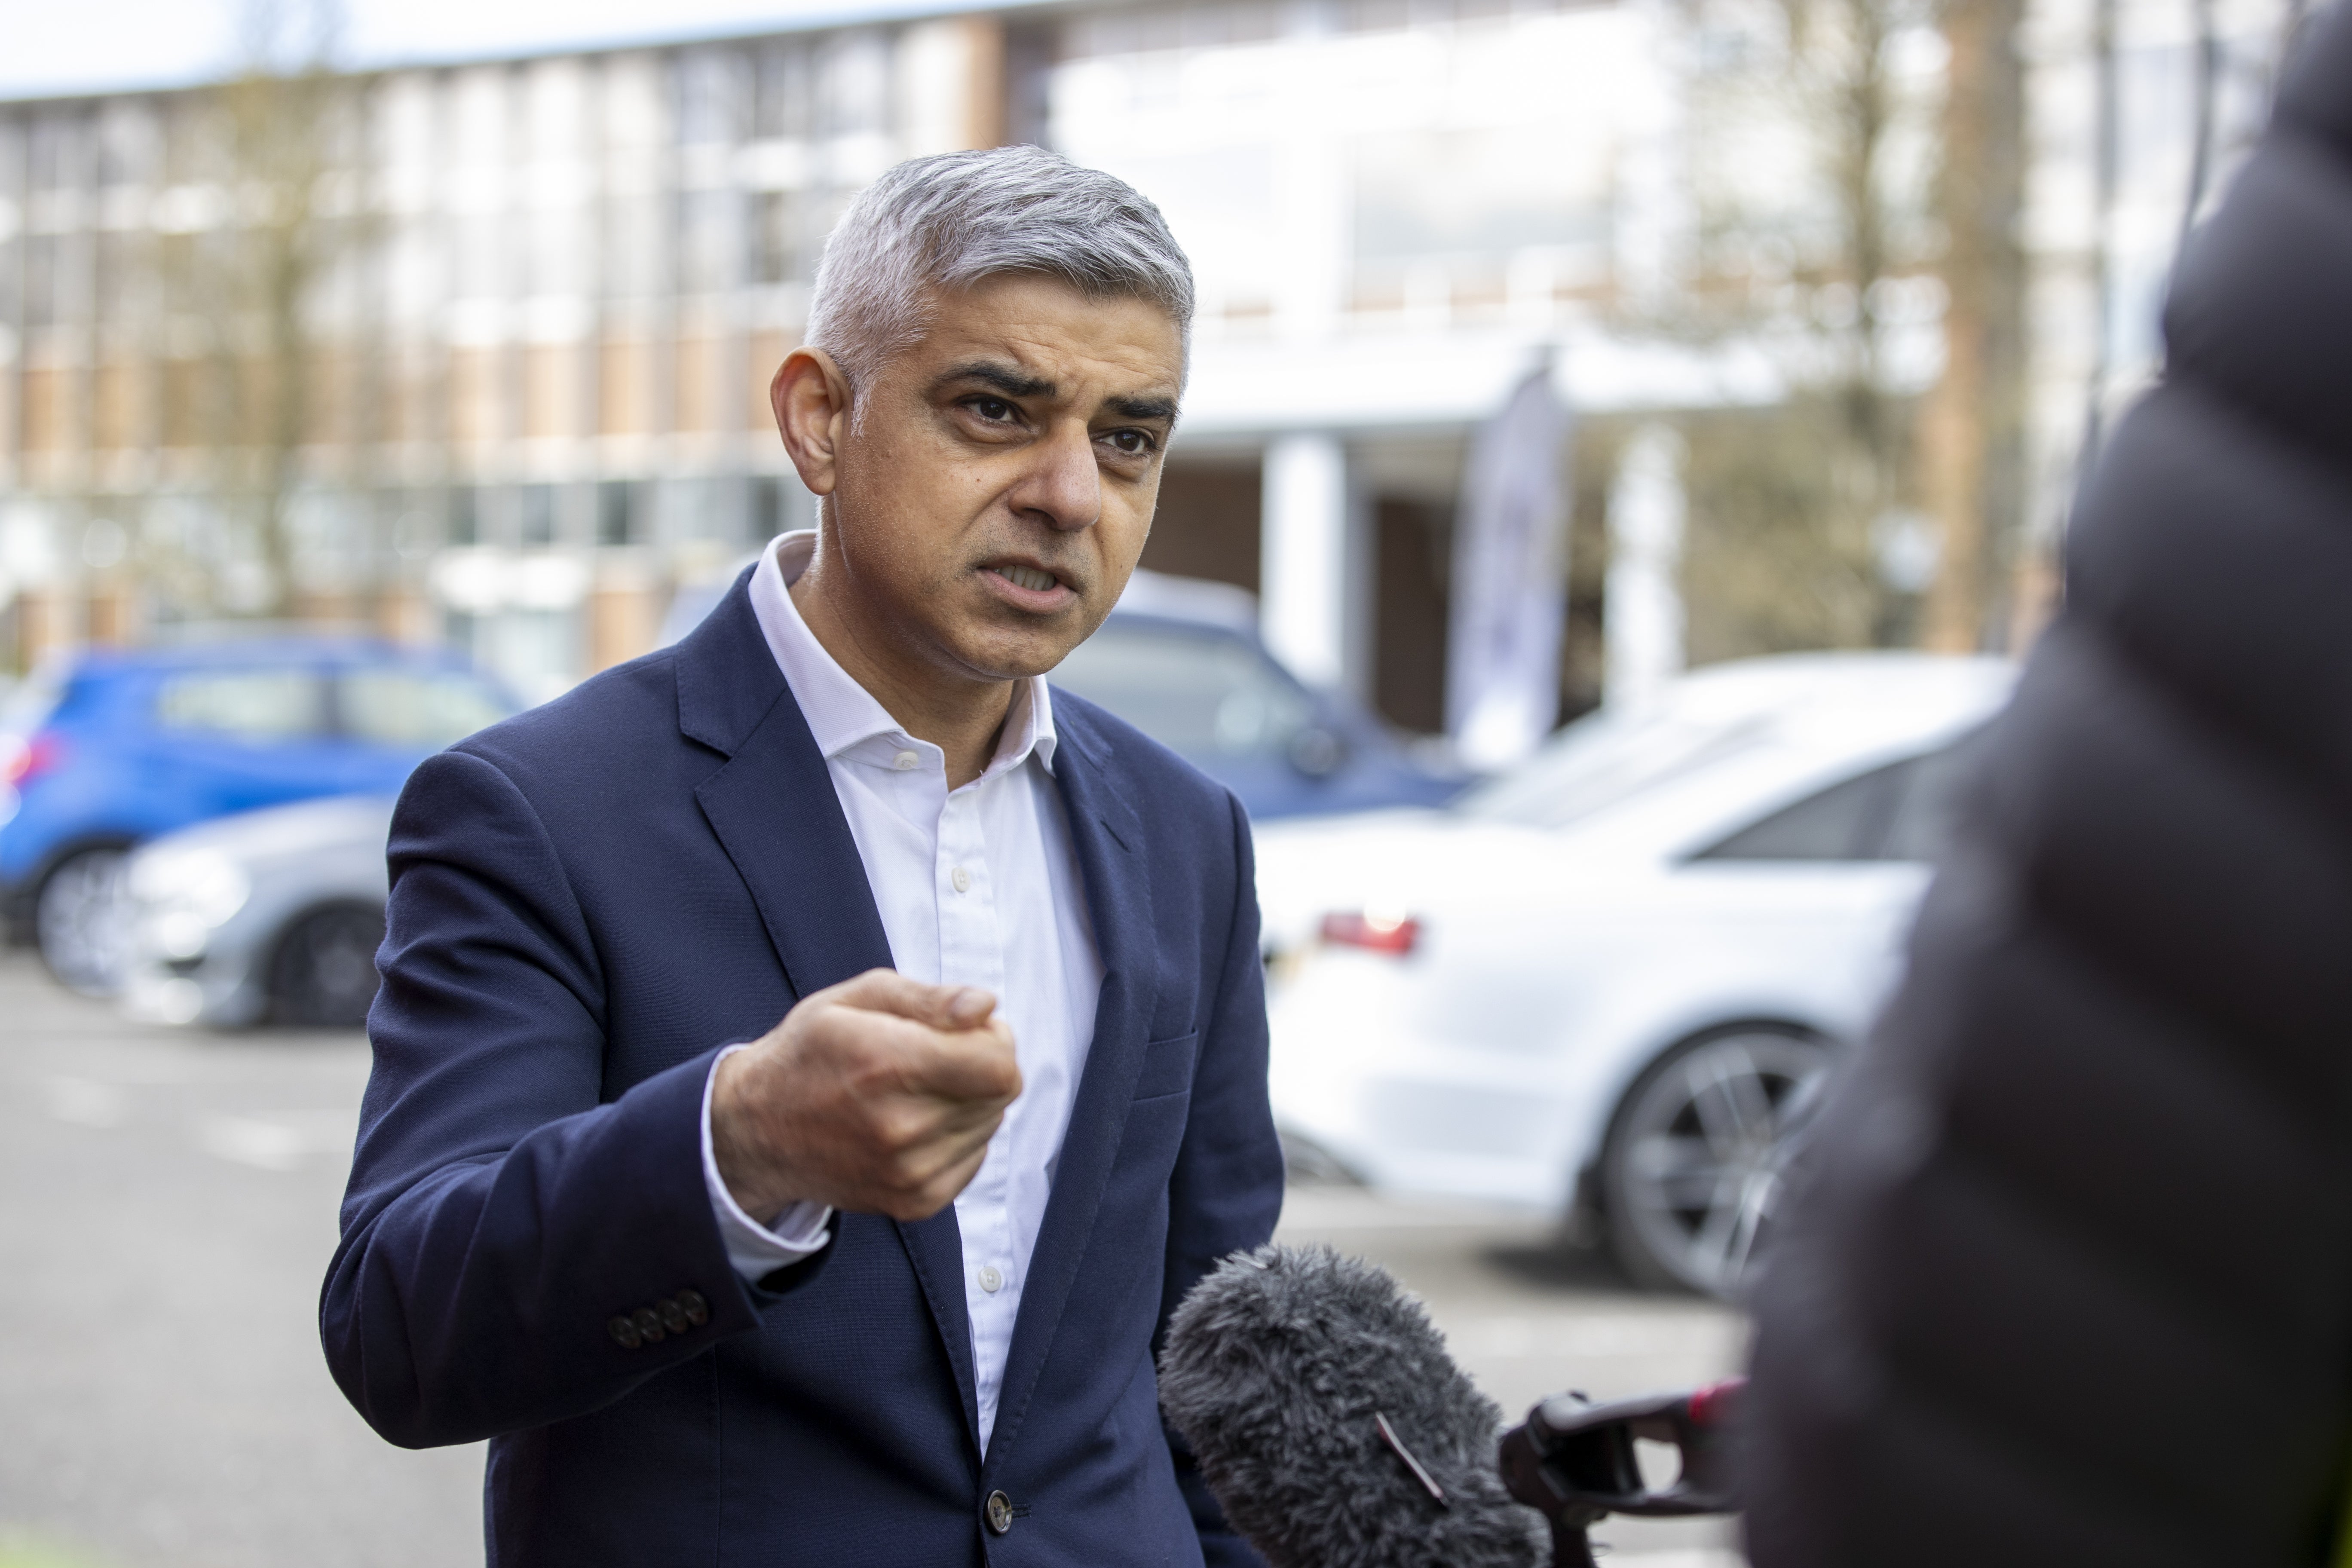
{"x":22,"y":762}
{"x":1378,"y":931}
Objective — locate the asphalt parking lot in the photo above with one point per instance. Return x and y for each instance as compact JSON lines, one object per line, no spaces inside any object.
{"x":167,"y":1205}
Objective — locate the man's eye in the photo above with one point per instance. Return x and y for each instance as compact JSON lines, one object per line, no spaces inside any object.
{"x":1131,"y":443}
{"x":992,"y":409}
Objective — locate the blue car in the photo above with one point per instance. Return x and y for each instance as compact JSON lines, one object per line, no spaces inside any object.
{"x":116,"y":747}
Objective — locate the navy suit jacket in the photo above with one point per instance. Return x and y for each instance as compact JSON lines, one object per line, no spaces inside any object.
{"x":588,"y":901}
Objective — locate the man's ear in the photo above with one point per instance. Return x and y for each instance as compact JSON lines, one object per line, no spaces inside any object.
{"x":811,"y":397}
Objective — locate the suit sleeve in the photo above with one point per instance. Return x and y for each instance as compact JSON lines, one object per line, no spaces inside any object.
{"x":504,"y":1209}
{"x":1227,"y":1192}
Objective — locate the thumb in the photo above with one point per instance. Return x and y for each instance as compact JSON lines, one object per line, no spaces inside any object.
{"x":941,"y":1006}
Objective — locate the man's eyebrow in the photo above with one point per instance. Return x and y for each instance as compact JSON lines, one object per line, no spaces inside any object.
{"x":1004,"y":378}
{"x":1143,"y":407}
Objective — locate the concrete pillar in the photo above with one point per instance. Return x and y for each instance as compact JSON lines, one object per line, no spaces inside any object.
{"x":625,"y":613}
{"x":951,"y":84}
{"x":404,"y":615}
{"x":111,"y":613}
{"x":1307,"y":571}
{"x":1645,"y":553}
{"x":44,"y":623}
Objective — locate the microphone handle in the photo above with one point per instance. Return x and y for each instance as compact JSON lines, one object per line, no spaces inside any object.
{"x":1571,"y":1546}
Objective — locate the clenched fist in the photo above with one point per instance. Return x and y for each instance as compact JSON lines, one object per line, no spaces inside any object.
{"x":878,"y":1095}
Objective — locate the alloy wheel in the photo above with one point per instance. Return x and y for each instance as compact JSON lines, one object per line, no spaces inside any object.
{"x":325,"y":974}
{"x":1696,"y":1162}
{"x":79,"y":920}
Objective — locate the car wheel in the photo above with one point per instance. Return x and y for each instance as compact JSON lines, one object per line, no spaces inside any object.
{"x":1692,"y":1169}
{"x":323,"y":976}
{"x":78,"y":921}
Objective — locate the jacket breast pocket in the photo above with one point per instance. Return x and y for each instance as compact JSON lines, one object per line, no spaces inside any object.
{"x":1168,"y":1066}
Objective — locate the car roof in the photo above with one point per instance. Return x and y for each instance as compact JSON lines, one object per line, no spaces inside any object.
{"x":1156,"y":595}
{"x":1856,"y":684}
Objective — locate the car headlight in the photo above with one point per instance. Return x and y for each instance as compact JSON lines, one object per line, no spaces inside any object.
{"x":200,"y":885}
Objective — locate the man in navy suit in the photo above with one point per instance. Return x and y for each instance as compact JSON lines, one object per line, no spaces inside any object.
{"x":812,"y":1061}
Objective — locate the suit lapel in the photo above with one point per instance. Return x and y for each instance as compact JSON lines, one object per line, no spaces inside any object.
{"x":1108,"y":838}
{"x":775,"y":811}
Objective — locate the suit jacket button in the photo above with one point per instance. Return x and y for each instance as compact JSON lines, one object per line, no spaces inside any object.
{"x":649,"y":1324}
{"x":673,"y":1316}
{"x":697,"y":1309}
{"x":999,"y":1512}
{"x":624,"y":1333}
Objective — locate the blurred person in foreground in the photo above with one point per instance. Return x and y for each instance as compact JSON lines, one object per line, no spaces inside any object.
{"x":2068,"y":1281}
{"x":812,"y":1061}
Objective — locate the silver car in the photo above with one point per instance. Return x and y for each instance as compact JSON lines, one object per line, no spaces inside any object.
{"x":268,"y":916}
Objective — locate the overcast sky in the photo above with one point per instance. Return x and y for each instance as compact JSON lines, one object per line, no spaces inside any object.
{"x":51,"y":47}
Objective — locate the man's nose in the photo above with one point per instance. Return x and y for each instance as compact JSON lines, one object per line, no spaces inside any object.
{"x":1062,"y":487}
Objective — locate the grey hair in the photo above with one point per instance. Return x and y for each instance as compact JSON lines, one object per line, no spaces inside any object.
{"x":948,"y":222}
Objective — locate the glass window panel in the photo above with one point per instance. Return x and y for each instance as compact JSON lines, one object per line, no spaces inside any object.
{"x":1204,"y":694}
{"x":258,"y":705}
{"x":1930,"y":801}
{"x":1843,"y":822}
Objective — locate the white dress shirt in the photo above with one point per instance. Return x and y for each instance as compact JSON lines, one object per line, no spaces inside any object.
{"x":976,"y":886}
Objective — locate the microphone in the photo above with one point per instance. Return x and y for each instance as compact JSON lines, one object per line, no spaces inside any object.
{"x":1331,"y":1423}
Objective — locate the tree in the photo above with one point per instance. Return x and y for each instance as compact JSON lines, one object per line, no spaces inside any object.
{"x":1813,"y":136}
{"x":249,"y":283}
{"x":1974,"y":432}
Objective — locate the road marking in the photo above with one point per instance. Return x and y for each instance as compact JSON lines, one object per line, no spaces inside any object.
{"x":1595,"y":1334}
{"x":280,"y":1141}
{"x":1316,"y":1209}
{"x":86,"y":1102}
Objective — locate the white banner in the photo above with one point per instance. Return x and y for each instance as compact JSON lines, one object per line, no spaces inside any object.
{"x":1510,"y":581}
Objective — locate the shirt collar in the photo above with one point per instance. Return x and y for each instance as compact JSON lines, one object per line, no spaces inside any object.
{"x":844,"y":716}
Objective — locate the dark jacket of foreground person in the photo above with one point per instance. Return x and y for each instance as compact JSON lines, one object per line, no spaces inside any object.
{"x":2070,"y":1279}
{"x":588,"y":901}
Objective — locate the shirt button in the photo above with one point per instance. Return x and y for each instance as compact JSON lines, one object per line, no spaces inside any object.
{"x":961,"y":879}
{"x":906,"y":761}
{"x":991,"y":1280}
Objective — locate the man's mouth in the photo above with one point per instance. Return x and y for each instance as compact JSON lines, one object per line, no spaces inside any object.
{"x":1028,"y":577}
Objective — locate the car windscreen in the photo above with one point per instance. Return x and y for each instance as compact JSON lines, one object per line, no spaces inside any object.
{"x":1604,"y":758}
{"x":1204,"y":693}
{"x":258,"y":704}
{"x":416,"y":709}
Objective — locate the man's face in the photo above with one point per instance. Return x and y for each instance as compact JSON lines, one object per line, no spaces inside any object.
{"x":992,"y":499}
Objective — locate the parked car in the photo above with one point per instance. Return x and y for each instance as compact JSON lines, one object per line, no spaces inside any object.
{"x":269,"y":916}
{"x":1610,"y":982}
{"x":111,"y":748}
{"x":1179,"y":658}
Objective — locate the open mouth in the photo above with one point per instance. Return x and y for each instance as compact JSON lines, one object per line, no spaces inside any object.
{"x":1028,"y":577}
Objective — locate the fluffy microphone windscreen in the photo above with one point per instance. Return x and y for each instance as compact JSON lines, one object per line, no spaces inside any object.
{"x":1278,"y":1368}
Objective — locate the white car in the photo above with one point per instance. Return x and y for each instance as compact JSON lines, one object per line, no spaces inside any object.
{"x":1609,"y":981}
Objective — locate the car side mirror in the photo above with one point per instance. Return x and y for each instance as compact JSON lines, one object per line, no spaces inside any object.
{"x":1317,"y":751}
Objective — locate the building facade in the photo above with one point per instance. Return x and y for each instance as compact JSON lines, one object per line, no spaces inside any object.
{"x":520,"y":395}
